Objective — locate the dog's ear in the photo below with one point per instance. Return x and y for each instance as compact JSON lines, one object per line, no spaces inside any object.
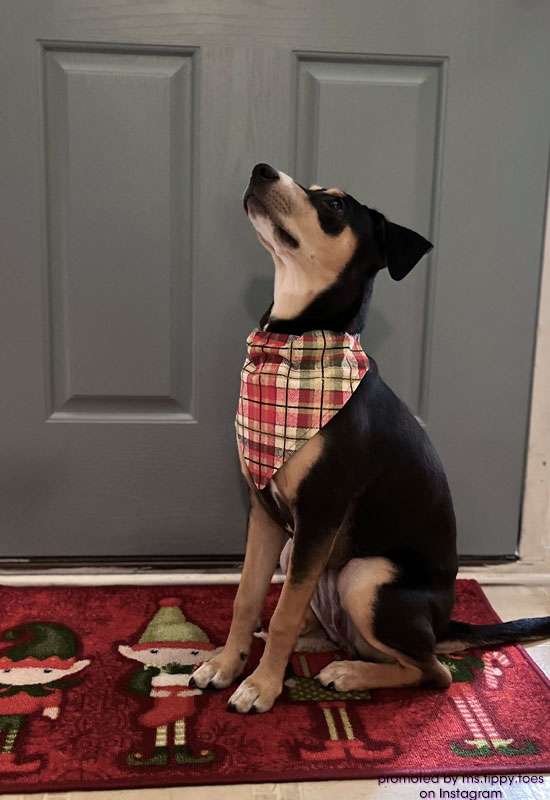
{"x":402,"y":248}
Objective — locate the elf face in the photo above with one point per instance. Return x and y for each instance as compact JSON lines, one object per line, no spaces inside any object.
{"x":30,"y":676}
{"x":162,"y":656}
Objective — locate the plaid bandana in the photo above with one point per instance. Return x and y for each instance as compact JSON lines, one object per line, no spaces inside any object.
{"x":291,"y":386}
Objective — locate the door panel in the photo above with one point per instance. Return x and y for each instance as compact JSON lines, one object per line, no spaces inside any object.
{"x":131,"y":276}
{"x":119,"y":143}
{"x":373,"y":126}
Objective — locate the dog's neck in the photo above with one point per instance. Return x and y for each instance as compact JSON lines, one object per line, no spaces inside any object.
{"x":298,"y":282}
{"x":299,"y":307}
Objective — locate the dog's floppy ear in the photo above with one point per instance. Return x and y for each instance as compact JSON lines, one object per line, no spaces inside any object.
{"x":402,"y":247}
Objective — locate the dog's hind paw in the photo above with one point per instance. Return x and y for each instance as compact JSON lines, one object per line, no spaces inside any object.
{"x":344,"y":676}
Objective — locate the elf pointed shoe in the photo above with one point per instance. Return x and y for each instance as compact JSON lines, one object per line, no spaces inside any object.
{"x":333,"y":750}
{"x":506,"y":747}
{"x":183,"y":755}
{"x":7,"y":764}
{"x":472,"y":748}
{"x":159,"y":758}
{"x":357,"y":749}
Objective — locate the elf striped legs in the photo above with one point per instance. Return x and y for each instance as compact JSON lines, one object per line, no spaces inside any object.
{"x":342,"y":742}
{"x":485,"y":738}
{"x":12,"y":724}
{"x":181,"y":751}
{"x":161,"y":738}
{"x":9,"y":740}
{"x":179,"y":732}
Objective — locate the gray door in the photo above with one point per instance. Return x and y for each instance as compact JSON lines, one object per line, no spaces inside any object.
{"x":130,"y":276}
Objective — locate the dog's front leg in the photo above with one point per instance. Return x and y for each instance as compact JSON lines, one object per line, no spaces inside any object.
{"x":264,"y":543}
{"x":259,"y":691}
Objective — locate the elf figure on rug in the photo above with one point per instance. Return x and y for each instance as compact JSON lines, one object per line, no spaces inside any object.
{"x":170,"y":649}
{"x":34,"y":671}
{"x":339,"y":741}
{"x":484,"y":737}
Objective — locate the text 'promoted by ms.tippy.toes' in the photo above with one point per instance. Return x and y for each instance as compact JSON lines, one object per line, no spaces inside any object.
{"x":469,"y":787}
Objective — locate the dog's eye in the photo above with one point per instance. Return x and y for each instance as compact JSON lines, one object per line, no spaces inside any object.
{"x":335,"y":203}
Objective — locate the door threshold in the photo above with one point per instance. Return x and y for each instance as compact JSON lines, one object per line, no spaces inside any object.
{"x":126,"y":578}
{"x":194,"y":563}
{"x":23,"y":572}
{"x":190,"y":578}
{"x":121,"y":564}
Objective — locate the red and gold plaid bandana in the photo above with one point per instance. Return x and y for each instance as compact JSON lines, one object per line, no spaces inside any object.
{"x":291,"y":386}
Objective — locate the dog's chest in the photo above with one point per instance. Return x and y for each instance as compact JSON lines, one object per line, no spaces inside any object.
{"x":281,"y":492}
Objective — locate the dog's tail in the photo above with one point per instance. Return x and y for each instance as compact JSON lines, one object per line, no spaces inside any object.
{"x":461,"y":635}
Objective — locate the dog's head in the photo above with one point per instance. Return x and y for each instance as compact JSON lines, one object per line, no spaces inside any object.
{"x":327,"y":247}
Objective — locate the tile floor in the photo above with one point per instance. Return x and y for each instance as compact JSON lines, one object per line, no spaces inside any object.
{"x":509,"y":601}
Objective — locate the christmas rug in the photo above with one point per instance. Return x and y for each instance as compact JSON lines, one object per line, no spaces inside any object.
{"x":94,"y":695}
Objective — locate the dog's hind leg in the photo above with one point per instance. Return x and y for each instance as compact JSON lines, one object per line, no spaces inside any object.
{"x":395,"y":621}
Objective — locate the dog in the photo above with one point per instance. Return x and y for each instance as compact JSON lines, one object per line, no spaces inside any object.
{"x":365,"y":498}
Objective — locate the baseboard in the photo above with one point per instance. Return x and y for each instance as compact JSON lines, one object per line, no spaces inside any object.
{"x":218,"y":569}
{"x":97,"y":576}
{"x":228,"y":562}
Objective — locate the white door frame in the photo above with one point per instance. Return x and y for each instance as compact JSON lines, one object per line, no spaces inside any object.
{"x":533,"y":565}
{"x":535,"y":527}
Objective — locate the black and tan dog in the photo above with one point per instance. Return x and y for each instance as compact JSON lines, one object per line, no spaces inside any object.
{"x":367,"y":495}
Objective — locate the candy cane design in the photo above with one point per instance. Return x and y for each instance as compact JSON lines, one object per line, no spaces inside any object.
{"x":485,"y":738}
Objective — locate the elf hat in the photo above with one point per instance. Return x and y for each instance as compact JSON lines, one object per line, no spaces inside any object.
{"x":39,"y":644}
{"x":169,"y":628}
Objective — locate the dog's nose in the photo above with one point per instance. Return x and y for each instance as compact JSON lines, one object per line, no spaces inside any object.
{"x":263,"y":172}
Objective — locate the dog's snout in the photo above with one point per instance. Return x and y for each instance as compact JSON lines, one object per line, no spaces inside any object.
{"x":263,"y":172}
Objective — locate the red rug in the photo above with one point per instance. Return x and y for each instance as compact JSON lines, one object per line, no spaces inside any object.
{"x":77,"y":712}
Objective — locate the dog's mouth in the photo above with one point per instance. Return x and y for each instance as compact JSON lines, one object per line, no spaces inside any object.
{"x":252,"y":203}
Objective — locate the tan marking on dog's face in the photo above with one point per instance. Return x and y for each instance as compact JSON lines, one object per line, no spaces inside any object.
{"x":333,"y":190}
{"x":305,"y":270}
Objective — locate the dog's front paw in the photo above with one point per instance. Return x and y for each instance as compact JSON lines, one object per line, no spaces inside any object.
{"x":258,"y":692}
{"x":344,"y":676}
{"x":219,"y":672}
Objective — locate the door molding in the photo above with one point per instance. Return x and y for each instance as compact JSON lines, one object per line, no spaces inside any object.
{"x":533,"y":565}
{"x":535,"y":523}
